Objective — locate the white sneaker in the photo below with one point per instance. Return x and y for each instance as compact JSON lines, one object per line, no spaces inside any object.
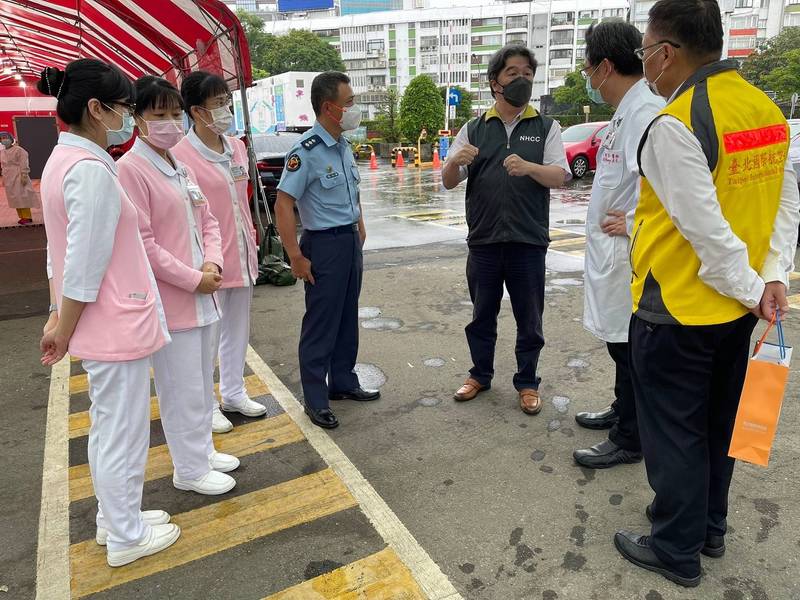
{"x":249,"y":408}
{"x":223,"y":463}
{"x":151,"y":517}
{"x":219,"y":422}
{"x":212,"y":483}
{"x":160,"y":538}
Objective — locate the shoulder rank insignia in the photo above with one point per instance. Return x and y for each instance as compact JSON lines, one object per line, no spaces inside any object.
{"x":293,"y":163}
{"x":311,"y":142}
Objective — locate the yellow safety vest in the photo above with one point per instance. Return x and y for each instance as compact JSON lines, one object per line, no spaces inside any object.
{"x":745,"y":139}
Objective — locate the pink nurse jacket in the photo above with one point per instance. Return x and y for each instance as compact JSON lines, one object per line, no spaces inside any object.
{"x":178,"y":230}
{"x":223,"y":180}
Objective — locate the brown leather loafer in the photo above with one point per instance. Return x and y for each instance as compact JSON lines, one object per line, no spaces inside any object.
{"x":529,"y":401}
{"x":469,"y":390}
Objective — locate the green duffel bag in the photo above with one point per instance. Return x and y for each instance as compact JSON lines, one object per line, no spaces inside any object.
{"x":273,"y":268}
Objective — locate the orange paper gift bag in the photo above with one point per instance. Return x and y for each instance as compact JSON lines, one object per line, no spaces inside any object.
{"x":762,"y":396}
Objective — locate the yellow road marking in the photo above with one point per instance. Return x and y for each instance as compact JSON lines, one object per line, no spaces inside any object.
{"x":794,"y":275}
{"x":218,"y":527}
{"x":381,"y":576}
{"x":242,"y":441}
{"x":79,"y":422}
{"x":565,"y":242}
{"x":794,"y":301}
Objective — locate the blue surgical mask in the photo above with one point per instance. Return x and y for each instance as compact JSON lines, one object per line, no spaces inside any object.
{"x":119,"y":137}
{"x":594,"y":94}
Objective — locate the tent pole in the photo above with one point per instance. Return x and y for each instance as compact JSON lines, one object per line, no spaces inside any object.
{"x":255,"y":179}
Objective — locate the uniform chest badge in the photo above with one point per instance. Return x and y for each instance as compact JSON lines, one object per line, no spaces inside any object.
{"x":293,"y":163}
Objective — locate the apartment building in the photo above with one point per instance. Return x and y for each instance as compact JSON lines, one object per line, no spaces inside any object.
{"x":453,"y":45}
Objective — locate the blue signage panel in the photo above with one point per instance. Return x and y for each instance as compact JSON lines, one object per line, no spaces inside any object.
{"x":303,"y":5}
{"x":454,"y":99}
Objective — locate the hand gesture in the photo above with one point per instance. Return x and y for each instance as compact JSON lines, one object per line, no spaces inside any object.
{"x":54,"y":346}
{"x":517,"y":167}
{"x":210,"y":283}
{"x":209,"y":267}
{"x":465,"y":155}
{"x":615,"y":224}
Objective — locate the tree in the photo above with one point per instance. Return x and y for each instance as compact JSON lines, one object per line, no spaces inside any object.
{"x":463,"y":110}
{"x":770,"y":56}
{"x":387,"y":120}
{"x":785,"y":80}
{"x":422,"y":107}
{"x":300,"y":50}
{"x":572,"y":96}
{"x":257,"y":40}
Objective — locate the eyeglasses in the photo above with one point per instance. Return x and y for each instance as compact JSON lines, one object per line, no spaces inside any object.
{"x":221,"y":102}
{"x":589,"y":75}
{"x":129,"y":106}
{"x":639,"y":52}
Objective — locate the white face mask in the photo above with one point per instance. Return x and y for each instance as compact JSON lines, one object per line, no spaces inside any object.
{"x":351,"y":117}
{"x":221,"y":119}
{"x":651,"y":85}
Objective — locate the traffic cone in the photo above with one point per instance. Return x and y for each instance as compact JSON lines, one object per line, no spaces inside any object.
{"x":373,"y":161}
{"x":437,"y":164}
{"x":400,"y":161}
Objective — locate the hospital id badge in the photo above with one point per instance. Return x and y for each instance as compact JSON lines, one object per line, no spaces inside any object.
{"x":196,"y":195}
{"x":238,"y":172}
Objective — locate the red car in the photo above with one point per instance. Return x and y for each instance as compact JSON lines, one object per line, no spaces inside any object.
{"x":582,"y":143}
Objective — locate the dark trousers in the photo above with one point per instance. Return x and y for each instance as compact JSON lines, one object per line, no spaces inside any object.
{"x":521,"y":268}
{"x":625,"y":432}
{"x":687,"y":382}
{"x":329,"y":334}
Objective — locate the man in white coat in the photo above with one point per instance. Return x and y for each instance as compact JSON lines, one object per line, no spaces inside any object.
{"x":614,"y":76}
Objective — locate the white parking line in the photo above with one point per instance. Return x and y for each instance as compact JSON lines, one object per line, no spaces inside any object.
{"x":52,"y":553}
{"x":425,"y":571}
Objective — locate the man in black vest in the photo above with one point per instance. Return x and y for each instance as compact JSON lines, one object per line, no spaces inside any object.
{"x":511,"y":156}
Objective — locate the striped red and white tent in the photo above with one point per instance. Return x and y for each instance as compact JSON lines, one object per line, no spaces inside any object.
{"x":158,"y":37}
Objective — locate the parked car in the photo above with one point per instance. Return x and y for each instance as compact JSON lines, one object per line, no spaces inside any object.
{"x":362,"y":151}
{"x":271,"y":150}
{"x":582,"y":143}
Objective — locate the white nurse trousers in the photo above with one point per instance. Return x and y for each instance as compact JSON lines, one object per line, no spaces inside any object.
{"x":233,"y":339}
{"x":119,"y":437}
{"x":184,"y":377}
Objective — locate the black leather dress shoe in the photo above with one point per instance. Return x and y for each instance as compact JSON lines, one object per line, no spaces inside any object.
{"x":714,"y":546}
{"x":604,"y":455}
{"x":322,"y":417}
{"x":636,"y":548}
{"x":359,"y":394}
{"x":605,"y":419}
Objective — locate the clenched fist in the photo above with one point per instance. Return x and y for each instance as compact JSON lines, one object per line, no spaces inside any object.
{"x":464,"y":156}
{"x":517,"y":167}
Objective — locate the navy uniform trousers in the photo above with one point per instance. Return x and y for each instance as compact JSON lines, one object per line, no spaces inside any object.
{"x":687,"y":382}
{"x":329,"y":334}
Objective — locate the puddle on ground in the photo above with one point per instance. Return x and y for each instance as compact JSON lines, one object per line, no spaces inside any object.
{"x":577,"y":363}
{"x":554,"y":425}
{"x":429,"y":401}
{"x":561,"y":403}
{"x":550,"y":289}
{"x":382,"y":324}
{"x":434,"y":362}
{"x":370,"y":376}
{"x":369,"y":312}
{"x":567,"y":281}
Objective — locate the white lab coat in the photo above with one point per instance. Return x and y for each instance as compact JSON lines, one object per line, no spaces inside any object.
{"x":607,"y":271}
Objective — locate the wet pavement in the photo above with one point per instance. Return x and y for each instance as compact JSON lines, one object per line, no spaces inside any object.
{"x":491,"y":494}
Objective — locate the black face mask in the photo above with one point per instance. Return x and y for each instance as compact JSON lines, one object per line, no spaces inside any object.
{"x":518,"y":92}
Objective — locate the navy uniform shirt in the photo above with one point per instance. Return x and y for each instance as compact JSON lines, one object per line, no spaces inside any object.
{"x":322,"y":176}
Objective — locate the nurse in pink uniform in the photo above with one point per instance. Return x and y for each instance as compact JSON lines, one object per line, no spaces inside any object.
{"x":108,"y":311}
{"x":182,"y":241}
{"x":221,"y":166}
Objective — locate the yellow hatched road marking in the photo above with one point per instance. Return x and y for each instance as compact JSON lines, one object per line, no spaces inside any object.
{"x":218,"y":527}
{"x":381,"y":576}
{"x":79,"y":422}
{"x":242,"y":441}
{"x":566,"y":242}
{"x":794,"y":301}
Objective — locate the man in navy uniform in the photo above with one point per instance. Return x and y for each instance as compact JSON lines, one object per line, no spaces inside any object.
{"x":322,"y":178}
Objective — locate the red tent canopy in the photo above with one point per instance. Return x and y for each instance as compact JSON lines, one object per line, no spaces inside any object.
{"x":158,"y":37}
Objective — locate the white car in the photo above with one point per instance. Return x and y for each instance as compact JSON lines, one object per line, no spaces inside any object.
{"x":794,"y":145}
